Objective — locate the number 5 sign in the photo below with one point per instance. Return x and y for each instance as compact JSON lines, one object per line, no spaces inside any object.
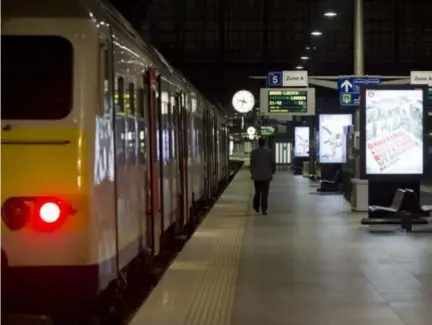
{"x":274,"y":79}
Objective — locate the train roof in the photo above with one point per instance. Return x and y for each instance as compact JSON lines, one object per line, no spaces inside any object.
{"x":82,"y":9}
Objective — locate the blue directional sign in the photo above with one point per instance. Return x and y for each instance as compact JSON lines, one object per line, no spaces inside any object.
{"x":349,"y":89}
{"x":274,"y":79}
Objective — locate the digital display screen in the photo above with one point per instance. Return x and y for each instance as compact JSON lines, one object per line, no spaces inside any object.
{"x":287,"y":101}
{"x":394,"y":132}
{"x":301,"y":141}
{"x":332,"y":140}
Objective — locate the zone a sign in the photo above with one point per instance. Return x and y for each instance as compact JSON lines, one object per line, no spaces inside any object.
{"x":421,"y":78}
{"x":295,"y":78}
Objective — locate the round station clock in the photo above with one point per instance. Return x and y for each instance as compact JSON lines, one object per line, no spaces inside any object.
{"x":243,"y":101}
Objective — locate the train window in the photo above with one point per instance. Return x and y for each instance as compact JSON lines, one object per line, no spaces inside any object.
{"x":130,"y":98}
{"x":173,"y":117}
{"x":39,"y":75}
{"x":141,"y":127}
{"x":141,"y":102}
{"x":107,"y":82}
{"x":119,"y":95}
{"x":126,"y":100}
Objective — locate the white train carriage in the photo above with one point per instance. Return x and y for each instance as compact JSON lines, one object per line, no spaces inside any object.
{"x":103,"y":153}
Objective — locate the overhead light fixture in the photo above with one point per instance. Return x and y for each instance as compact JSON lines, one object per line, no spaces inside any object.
{"x":316,"y":33}
{"x":304,"y":57}
{"x":307,"y":48}
{"x":330,"y":14}
{"x":299,"y":67}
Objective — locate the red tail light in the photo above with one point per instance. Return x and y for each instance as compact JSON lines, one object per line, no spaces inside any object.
{"x":49,"y":212}
{"x":43,"y":214}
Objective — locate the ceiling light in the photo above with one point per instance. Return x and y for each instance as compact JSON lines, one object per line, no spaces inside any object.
{"x":307,"y":48}
{"x":330,"y":14}
{"x":299,"y":67}
{"x":304,"y":57}
{"x":316,"y":33}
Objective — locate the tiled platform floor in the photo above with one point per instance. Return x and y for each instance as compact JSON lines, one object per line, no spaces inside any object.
{"x":309,"y":262}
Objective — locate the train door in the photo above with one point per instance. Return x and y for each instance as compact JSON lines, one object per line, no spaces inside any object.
{"x":211,"y":151}
{"x":171,"y":181}
{"x":142,"y":139}
{"x":181,"y":150}
{"x":164,"y":153}
{"x":207,"y":170}
{"x":215,"y":152}
{"x":153,"y":182}
{"x":105,"y":160}
{"x":189,"y":142}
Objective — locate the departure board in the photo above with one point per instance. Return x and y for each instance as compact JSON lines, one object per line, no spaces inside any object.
{"x":287,"y":101}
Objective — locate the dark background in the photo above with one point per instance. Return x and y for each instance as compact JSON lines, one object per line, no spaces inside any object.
{"x":219,"y":43}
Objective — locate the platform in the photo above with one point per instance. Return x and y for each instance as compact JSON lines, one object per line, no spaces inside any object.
{"x":309,"y":262}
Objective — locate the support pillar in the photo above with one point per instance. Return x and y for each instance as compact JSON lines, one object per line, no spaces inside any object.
{"x":358,"y":37}
{"x":358,"y":50}
{"x":359,"y":199}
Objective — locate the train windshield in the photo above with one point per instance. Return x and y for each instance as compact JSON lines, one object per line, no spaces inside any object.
{"x":37,"y":75}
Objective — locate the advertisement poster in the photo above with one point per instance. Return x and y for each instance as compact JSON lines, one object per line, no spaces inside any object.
{"x":301,"y":141}
{"x":332,"y":140}
{"x":394,"y":132}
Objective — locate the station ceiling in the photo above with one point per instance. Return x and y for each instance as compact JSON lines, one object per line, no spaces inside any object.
{"x":219,"y":43}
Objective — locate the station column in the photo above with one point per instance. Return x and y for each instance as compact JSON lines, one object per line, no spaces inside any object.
{"x":358,"y":38}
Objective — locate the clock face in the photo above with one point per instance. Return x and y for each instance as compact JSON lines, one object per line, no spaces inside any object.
{"x":243,"y":101}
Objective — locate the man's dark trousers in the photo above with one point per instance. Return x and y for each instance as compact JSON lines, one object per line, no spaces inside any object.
{"x":261,"y":195}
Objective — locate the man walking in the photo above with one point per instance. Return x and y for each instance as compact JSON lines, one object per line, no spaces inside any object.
{"x":262,"y":166}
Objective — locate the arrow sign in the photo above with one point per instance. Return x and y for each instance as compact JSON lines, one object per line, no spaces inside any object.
{"x":346,"y":85}
{"x":349,"y":89}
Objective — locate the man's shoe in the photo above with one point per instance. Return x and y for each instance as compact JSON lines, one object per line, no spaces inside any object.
{"x":256,"y":210}
{"x":264,"y":213}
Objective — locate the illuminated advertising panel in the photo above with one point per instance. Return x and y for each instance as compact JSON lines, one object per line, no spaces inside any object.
{"x":332,"y":140}
{"x":429,"y":102}
{"x":301,"y":141}
{"x":394,"y":131}
{"x":287,"y":101}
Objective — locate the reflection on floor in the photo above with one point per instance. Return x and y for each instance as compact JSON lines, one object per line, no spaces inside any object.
{"x":310,"y":262}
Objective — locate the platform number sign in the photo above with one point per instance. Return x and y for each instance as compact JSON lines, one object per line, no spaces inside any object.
{"x":274,"y":79}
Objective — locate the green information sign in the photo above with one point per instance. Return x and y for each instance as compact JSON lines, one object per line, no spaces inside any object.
{"x":287,"y":101}
{"x":267,"y":130}
{"x":346,"y":98}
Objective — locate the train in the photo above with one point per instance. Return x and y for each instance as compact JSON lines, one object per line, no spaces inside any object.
{"x":106,"y":152}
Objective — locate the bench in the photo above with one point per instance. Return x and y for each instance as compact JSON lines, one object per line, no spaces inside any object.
{"x":398,"y":213}
{"x":393,"y":221}
{"x":412,"y":204}
{"x":378,"y":211}
{"x":330,"y":185}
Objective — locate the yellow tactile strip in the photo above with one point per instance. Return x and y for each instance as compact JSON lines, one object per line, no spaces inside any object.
{"x":213,"y":299}
{"x":199,"y":286}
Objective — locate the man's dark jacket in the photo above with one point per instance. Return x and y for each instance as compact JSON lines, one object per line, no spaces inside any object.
{"x":262,"y":164}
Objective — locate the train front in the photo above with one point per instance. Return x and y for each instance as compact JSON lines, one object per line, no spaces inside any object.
{"x":45,"y":172}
